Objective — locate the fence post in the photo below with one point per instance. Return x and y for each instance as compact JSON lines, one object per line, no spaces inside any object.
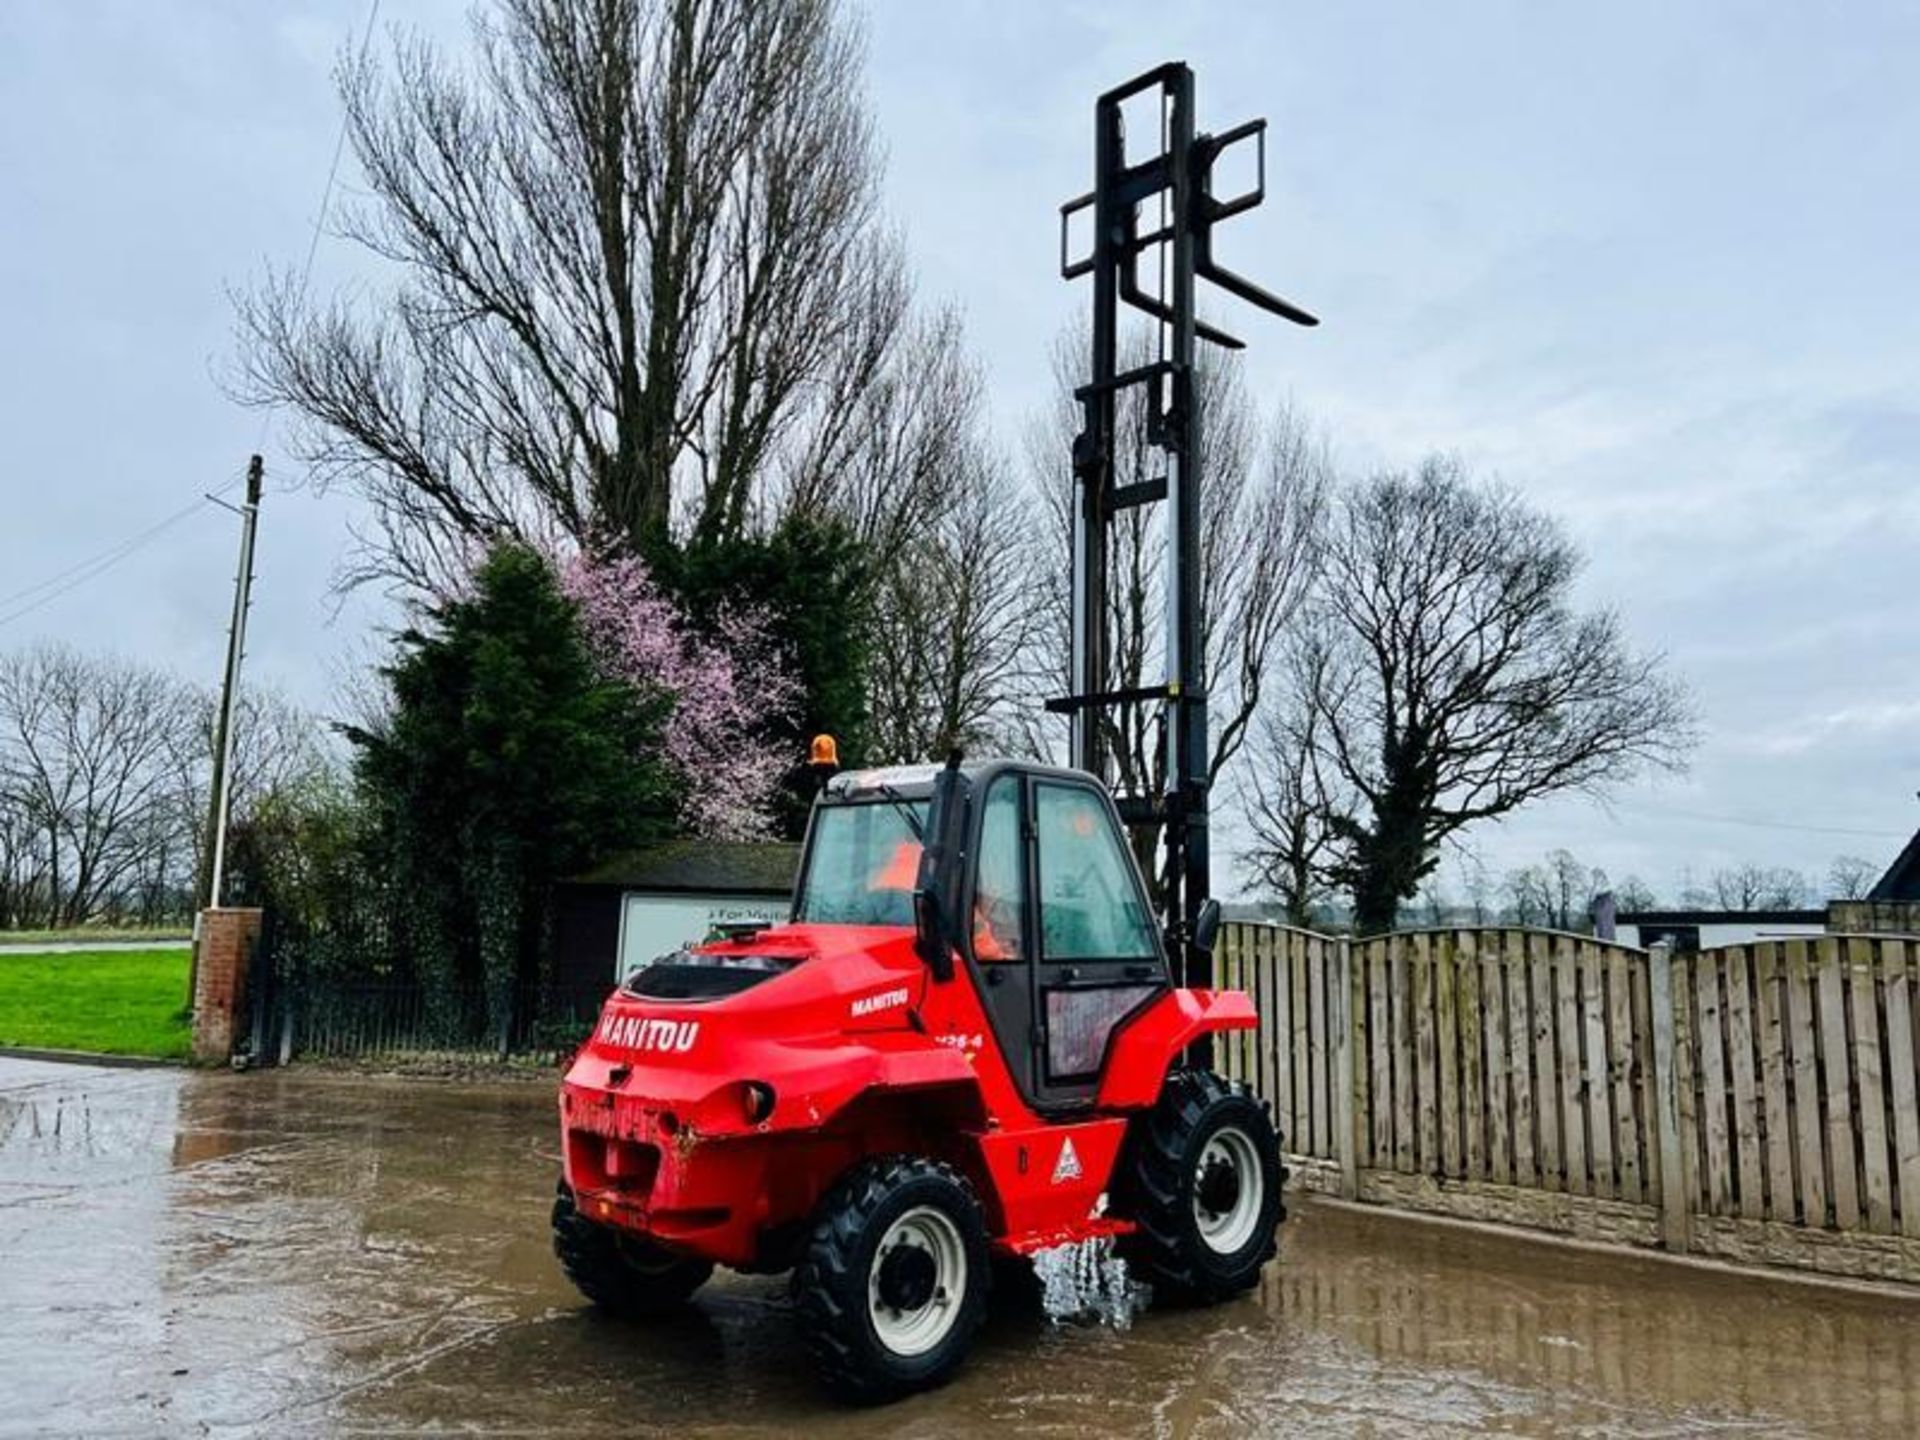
{"x":1346,"y":1051}
{"x":1674,"y":1205}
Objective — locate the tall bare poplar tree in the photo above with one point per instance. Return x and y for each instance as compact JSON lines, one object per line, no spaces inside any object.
{"x":641,"y":288}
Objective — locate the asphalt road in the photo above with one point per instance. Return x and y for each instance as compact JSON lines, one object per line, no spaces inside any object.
{"x":299,"y":1253}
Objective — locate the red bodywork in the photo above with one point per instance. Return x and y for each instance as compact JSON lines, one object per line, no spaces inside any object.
{"x":866,"y":1054}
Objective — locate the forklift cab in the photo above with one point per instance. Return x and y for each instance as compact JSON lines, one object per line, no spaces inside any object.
{"x":1020,"y":871}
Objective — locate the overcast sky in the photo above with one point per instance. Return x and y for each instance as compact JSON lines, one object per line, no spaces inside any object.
{"x":1653,"y":264}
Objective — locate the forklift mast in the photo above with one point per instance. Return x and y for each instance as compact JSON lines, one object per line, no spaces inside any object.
{"x":1176,"y":180}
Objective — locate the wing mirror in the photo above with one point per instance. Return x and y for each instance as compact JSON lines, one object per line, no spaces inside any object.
{"x":1206,"y":928}
{"x":930,"y":935}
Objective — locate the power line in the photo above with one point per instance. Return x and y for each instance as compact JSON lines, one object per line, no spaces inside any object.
{"x":333,"y":167}
{"x":25,"y":601}
{"x":326,"y":199}
{"x":1754,"y":822}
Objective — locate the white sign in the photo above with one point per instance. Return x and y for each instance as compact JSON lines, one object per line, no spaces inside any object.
{"x":654,"y":925}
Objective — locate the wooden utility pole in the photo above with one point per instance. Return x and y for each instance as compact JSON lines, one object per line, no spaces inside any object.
{"x":214,"y":849}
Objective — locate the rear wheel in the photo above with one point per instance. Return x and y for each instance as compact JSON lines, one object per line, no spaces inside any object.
{"x":893,"y":1282}
{"x":1201,"y":1178}
{"x":622,"y":1273}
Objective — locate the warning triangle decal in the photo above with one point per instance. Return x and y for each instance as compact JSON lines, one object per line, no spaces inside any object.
{"x":1067,"y":1167}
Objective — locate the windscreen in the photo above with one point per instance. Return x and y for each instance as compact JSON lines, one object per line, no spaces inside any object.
{"x":862,"y":862}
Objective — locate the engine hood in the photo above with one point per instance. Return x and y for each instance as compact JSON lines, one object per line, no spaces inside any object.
{"x":825,"y":1002}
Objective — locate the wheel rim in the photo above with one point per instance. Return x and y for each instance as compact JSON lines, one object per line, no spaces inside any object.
{"x":1229,"y":1186}
{"x":917,"y":1281}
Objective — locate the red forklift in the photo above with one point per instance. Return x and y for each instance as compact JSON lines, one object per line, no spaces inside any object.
{"x":973,"y":1038}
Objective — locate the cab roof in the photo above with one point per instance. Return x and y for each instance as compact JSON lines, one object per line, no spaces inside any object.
{"x":915,"y":782}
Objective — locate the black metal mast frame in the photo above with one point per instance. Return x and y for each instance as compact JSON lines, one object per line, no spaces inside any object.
{"x":1180,"y":176}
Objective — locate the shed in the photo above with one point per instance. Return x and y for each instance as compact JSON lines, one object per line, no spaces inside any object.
{"x":1705,"y":929}
{"x":644,"y":903}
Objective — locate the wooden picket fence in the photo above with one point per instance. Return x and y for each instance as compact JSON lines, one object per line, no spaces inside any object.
{"x":1804,"y":1082}
{"x":1756,"y":1101}
{"x":1295,"y":977}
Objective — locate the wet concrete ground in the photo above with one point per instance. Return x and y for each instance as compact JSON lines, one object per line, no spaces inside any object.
{"x":298,"y":1253}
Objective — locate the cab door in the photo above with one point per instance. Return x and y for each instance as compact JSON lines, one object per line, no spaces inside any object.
{"x":1000,"y":934}
{"x":1097,"y":954}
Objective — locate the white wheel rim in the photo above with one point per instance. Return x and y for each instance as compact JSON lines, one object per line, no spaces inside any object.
{"x":917,"y":1329}
{"x":1227,"y":1230}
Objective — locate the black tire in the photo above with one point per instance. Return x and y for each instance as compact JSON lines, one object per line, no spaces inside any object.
{"x":1196,"y":1241}
{"x":844,"y":1280}
{"x":621,"y":1273}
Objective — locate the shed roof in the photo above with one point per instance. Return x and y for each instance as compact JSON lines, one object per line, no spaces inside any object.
{"x":1721,"y":917}
{"x":1902,"y":880}
{"x":707,"y":867}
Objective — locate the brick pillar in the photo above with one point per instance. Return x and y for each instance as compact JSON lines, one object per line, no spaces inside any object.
{"x":220,"y":984}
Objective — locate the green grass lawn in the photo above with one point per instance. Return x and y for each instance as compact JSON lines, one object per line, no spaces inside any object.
{"x":117,"y":1002}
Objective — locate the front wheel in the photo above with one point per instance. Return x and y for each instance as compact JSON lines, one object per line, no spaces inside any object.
{"x":1201,"y":1179}
{"x":622,"y":1273}
{"x":893,"y":1282}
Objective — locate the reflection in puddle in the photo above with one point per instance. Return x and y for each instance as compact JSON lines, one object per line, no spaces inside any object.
{"x":61,"y":1122}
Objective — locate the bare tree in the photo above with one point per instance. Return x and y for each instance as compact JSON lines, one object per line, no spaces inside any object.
{"x":1287,"y":793}
{"x":1634,"y":896}
{"x":278,"y":749}
{"x":1756,"y":887}
{"x":1850,"y":877}
{"x":25,"y":881}
{"x":899,"y":439}
{"x":1263,"y":495}
{"x":1576,"y":885}
{"x":641,"y":279}
{"x":1557,"y":893}
{"x":955,"y":625}
{"x":1436,"y":905}
{"x":1464,"y":682}
{"x":83,"y":744}
{"x":104,"y":768}
{"x":1525,"y":889}
{"x":1477,"y":885}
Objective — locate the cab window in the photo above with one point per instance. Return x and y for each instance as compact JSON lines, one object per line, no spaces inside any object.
{"x":862,"y":863}
{"x":1090,"y":903}
{"x":999,"y":887}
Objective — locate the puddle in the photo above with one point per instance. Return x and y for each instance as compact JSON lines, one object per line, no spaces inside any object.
{"x":298,"y":1253}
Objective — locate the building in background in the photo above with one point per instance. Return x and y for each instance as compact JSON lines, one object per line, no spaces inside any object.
{"x":1704,"y":929}
{"x":642,"y":904}
{"x":1892,"y":906}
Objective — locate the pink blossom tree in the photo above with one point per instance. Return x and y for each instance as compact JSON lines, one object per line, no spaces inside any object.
{"x":721,"y":688}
